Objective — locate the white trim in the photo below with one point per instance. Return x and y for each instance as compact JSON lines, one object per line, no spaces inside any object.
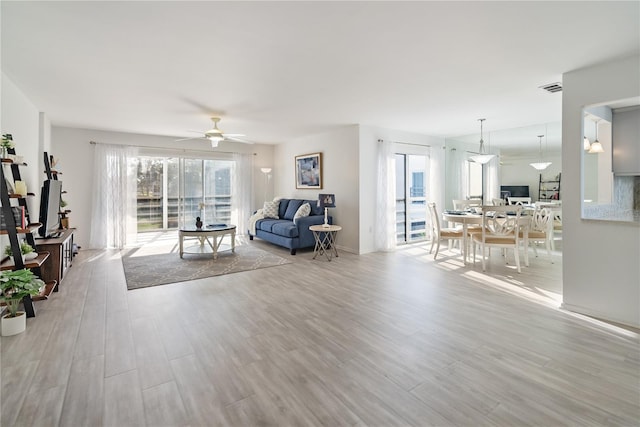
{"x":596,"y":314}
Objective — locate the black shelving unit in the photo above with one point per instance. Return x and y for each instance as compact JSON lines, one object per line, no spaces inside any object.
{"x":12,"y":229}
{"x":549,"y":188}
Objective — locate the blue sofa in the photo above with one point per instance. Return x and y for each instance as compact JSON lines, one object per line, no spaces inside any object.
{"x":284,"y":232}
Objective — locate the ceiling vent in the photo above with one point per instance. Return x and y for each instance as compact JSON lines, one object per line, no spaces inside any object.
{"x":552,"y":87}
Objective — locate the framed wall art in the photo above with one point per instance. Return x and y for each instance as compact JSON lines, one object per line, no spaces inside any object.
{"x":309,"y":171}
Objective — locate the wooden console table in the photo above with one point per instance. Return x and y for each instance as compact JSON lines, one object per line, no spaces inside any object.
{"x":61,"y":250}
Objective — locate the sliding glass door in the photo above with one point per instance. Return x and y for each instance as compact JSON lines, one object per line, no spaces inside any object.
{"x":411,"y":197}
{"x":173,"y":191}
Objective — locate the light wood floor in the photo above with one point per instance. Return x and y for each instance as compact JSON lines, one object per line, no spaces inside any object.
{"x":380,"y":339}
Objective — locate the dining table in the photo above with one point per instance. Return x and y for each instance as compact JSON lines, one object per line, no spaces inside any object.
{"x":467,"y":218}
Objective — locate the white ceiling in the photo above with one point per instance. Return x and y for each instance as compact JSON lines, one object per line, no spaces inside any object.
{"x":279,"y":70}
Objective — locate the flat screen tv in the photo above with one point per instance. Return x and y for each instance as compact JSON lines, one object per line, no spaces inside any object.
{"x":514,"y":191}
{"x":50,"y":208}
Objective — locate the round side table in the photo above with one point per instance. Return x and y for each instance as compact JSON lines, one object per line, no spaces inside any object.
{"x":325,"y":238}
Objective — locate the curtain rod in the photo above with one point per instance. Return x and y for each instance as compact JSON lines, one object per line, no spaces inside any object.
{"x":184,"y":150}
{"x":408,"y":143}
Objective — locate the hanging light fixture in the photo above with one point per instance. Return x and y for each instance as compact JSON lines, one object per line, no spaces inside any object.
{"x":586,"y":144}
{"x":482,"y":157}
{"x":540,"y":165}
{"x":596,"y":147}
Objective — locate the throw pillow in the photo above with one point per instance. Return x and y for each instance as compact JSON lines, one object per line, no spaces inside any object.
{"x":270,"y":209}
{"x":302,"y":211}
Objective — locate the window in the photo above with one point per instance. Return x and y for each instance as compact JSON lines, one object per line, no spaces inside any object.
{"x":173,"y":191}
{"x":475,"y":184}
{"x":411,"y":197}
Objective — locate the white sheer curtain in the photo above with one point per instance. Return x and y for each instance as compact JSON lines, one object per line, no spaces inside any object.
{"x":492,"y":190}
{"x":385,"y":229}
{"x":436,"y":176}
{"x":113,"y":213}
{"x":241,"y":190}
{"x":456,"y":176}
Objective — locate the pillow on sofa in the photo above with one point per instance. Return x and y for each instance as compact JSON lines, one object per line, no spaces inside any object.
{"x":302,"y":211}
{"x":292,"y":208}
{"x":270,"y":209}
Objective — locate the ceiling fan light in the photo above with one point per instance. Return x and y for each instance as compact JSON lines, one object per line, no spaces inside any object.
{"x":586,"y":144}
{"x":596,"y":147}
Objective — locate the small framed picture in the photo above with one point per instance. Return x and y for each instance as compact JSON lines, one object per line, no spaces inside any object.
{"x":309,"y":171}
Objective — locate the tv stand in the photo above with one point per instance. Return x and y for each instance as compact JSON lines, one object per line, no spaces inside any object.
{"x":61,"y":250}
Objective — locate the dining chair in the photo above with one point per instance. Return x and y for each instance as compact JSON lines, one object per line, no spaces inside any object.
{"x":497,"y":201}
{"x":556,"y":213}
{"x":518,"y":200}
{"x":463,"y":204}
{"x":541,"y":229}
{"x":438,"y":234}
{"x":501,"y":228}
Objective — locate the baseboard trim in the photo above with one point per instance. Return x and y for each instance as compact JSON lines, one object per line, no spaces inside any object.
{"x":598,"y":315}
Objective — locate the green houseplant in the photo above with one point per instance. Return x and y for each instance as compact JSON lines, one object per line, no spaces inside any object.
{"x":14,"y":286}
{"x":25,"y":250}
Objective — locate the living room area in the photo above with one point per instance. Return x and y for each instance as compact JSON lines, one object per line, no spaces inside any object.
{"x":379,"y":333}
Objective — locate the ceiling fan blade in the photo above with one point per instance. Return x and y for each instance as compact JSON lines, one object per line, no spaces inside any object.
{"x":234,"y":139}
{"x":187,"y":139}
{"x":233,"y":135}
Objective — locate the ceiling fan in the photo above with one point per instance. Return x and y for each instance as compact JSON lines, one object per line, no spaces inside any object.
{"x":215,"y":135}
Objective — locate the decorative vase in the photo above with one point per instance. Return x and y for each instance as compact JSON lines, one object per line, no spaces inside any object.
{"x":198,"y":223}
{"x":13,"y":325}
{"x":29,"y":256}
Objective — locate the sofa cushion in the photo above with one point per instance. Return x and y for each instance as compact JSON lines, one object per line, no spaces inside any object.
{"x":292,"y":208}
{"x":282,"y":209}
{"x":270,"y":209}
{"x":302,"y":211}
{"x":285,"y":229}
{"x":315,"y":209}
{"x":267,"y":224}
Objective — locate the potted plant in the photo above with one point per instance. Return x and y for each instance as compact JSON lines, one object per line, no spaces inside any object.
{"x":7,"y":142}
{"x":25,"y":249}
{"x":14,"y":286}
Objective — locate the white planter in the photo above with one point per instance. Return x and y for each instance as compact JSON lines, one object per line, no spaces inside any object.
{"x":13,"y":325}
{"x":30,"y":255}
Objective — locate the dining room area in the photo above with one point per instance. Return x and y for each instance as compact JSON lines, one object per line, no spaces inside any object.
{"x":497,"y":220}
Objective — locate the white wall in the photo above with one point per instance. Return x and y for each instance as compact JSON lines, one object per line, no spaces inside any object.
{"x":368,"y":149}
{"x":517,"y":171}
{"x":21,"y":118}
{"x":339,"y":150}
{"x":601,"y":274}
{"x":72,"y":147}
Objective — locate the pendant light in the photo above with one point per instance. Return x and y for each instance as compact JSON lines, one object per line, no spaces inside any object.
{"x":540,"y":165}
{"x":596,"y":147}
{"x":482,"y":157}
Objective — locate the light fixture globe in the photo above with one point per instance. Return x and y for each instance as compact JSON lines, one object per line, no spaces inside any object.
{"x":596,"y":147}
{"x":482,"y":157}
{"x":540,"y":165}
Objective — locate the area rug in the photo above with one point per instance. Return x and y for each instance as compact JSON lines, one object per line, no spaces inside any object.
{"x":142,"y":270}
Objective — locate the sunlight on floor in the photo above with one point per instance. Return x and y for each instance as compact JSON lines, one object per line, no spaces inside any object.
{"x":503,"y":277}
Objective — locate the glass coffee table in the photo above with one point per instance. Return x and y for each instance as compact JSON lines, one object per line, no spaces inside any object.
{"x":212,"y":235}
